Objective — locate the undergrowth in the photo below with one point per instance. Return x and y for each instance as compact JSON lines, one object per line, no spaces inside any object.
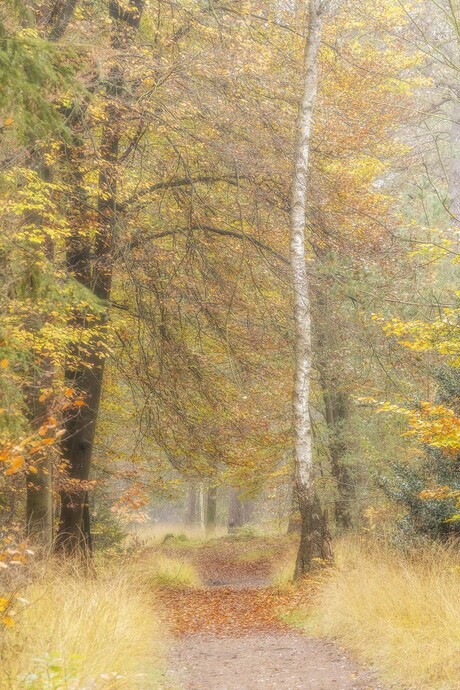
{"x":75,"y":631}
{"x":397,"y":611}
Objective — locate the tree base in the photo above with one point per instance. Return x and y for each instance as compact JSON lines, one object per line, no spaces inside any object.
{"x":315,"y":548}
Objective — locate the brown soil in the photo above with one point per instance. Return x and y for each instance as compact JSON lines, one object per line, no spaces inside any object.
{"x":230,"y":635}
{"x":277,"y":660}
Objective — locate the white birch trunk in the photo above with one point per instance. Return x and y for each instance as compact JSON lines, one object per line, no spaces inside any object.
{"x":300,"y":279}
{"x":302,"y":314}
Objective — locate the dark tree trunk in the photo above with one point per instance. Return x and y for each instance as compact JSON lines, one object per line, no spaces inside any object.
{"x":239,"y":512}
{"x":83,"y":374}
{"x":39,"y":484}
{"x":315,"y":549}
{"x":39,"y":495}
{"x":60,"y":17}
{"x":74,"y":526}
{"x":336,"y":407}
{"x":74,"y":530}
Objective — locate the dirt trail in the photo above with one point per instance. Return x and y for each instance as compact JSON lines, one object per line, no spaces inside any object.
{"x":229,"y":636}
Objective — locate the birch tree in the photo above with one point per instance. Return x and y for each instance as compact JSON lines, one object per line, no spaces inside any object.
{"x":314,"y":539}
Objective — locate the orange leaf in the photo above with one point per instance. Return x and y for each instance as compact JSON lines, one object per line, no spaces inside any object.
{"x":16,"y":464}
{"x":4,"y":363}
{"x":79,"y":403}
{"x":7,"y":621}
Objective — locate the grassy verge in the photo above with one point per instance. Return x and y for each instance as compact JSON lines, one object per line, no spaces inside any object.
{"x":75,"y":632}
{"x":400,"y":613}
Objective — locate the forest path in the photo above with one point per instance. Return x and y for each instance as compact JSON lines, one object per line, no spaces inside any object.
{"x":229,"y":635}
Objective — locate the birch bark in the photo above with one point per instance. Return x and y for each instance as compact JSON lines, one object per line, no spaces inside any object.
{"x":314,"y":541}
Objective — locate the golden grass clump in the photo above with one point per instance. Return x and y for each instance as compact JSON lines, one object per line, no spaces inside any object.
{"x":165,"y":571}
{"x":77,"y":632}
{"x":399,"y":612}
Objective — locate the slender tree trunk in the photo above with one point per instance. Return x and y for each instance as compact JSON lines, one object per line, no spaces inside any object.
{"x":453,"y":51}
{"x":454,"y":167}
{"x":239,"y":512}
{"x":193,"y":516}
{"x":196,"y":508}
{"x":336,"y":410}
{"x":201,"y":506}
{"x":211,"y":510}
{"x":336,"y":407}
{"x":314,"y":539}
{"x":235,"y":510}
{"x":39,"y":496}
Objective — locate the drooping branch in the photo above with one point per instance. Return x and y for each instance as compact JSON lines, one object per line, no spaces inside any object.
{"x":172,"y":184}
{"x":216,"y":231}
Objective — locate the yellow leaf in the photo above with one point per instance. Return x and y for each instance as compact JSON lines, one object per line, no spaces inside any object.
{"x":4,"y":603}
{"x":4,"y":363}
{"x":8,"y":621}
{"x":16,"y":464}
{"x":8,"y":122}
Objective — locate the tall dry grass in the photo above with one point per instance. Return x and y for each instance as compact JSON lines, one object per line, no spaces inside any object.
{"x":399,"y":612}
{"x":82,"y":632}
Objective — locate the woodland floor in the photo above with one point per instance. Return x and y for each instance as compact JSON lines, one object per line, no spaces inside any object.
{"x":229,"y":635}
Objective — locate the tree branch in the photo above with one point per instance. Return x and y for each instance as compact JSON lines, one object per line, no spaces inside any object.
{"x":217,"y":231}
{"x":171,"y":184}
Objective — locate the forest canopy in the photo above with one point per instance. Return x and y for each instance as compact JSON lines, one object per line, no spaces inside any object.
{"x":203,"y":203}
